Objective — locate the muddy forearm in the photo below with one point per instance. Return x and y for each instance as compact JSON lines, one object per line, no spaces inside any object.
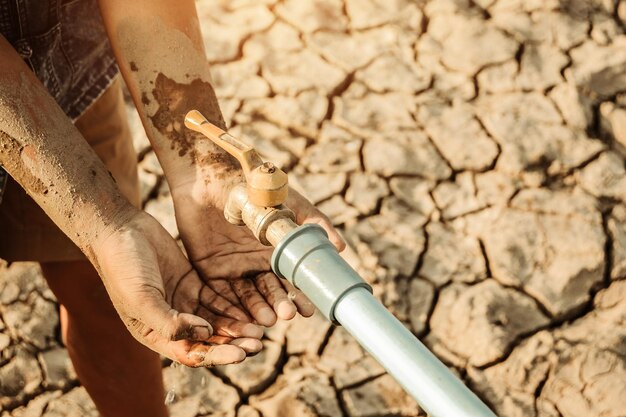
{"x":43,"y":151}
{"x":159,"y":49}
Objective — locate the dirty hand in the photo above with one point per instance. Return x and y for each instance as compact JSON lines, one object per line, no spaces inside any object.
{"x":163,"y":302}
{"x":237,"y":266}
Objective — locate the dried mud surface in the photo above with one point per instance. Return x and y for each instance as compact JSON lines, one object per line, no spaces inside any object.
{"x":473,"y":154}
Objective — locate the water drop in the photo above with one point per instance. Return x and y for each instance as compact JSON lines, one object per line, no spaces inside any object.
{"x":203,"y":381}
{"x":170,"y":397}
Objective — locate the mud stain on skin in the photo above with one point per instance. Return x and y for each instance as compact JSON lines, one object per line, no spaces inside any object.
{"x":144,"y":99}
{"x":175,"y":100}
{"x":133,"y":66}
{"x":171,"y":90}
{"x":13,"y":164}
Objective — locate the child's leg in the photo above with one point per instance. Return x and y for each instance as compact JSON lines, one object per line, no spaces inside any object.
{"x":122,"y":376}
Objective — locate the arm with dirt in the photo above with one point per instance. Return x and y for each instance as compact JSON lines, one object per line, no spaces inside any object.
{"x":151,"y":283}
{"x":74,"y":188}
{"x":159,"y":48}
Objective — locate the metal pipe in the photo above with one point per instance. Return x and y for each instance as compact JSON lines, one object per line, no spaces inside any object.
{"x":278,"y":229}
{"x":306,"y":258}
{"x":239,"y":210}
{"x":423,"y":376}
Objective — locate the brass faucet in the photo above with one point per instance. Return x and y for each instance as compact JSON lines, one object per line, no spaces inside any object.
{"x":258,"y":204}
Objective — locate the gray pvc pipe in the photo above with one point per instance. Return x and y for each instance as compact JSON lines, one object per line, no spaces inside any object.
{"x":439,"y":392}
{"x":308,"y":260}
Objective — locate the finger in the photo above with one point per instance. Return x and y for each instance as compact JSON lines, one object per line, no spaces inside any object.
{"x":271,"y":288}
{"x":225,"y":326}
{"x":197,"y":354}
{"x":220,"y":340}
{"x":176,"y":350}
{"x":223,"y":288}
{"x":212,"y":301}
{"x":249,"y":344}
{"x":320,"y":218}
{"x":210,"y":355}
{"x":156,"y":315}
{"x":254,"y":302}
{"x":191,"y":291}
{"x":305,"y":307}
{"x":306,"y":213}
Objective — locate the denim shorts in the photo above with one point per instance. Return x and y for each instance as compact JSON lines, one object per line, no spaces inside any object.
{"x":65,"y":44}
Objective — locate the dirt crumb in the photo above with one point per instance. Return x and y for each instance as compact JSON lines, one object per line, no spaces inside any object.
{"x":30,"y":182}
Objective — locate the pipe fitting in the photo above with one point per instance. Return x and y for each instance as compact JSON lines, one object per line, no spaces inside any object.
{"x":237,"y":199}
{"x":258,"y":219}
{"x":239,"y":210}
{"x":307,"y":259}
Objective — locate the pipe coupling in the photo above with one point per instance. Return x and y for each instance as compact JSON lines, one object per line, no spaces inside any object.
{"x":258,"y":219}
{"x":240,"y":211}
{"x":307,"y":259}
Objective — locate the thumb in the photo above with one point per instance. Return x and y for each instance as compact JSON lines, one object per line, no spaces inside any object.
{"x":319,"y":218}
{"x":308,"y":213}
{"x":156,"y":315}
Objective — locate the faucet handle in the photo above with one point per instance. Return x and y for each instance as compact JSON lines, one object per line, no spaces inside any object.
{"x":245,"y":154}
{"x":266,"y":183}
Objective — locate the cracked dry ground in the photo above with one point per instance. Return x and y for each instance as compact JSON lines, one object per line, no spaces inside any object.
{"x":472,"y":152}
